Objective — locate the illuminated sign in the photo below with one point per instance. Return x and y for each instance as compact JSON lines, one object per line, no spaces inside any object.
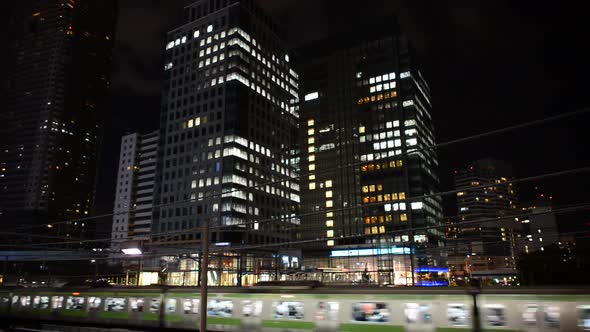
{"x":370,"y":252}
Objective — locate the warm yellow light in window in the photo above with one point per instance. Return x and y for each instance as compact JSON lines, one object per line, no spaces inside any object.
{"x":311,"y":140}
{"x":312,"y":157}
{"x":310,"y":122}
{"x":330,"y":233}
{"x":400,"y":163}
{"x":381,"y":229}
{"x":329,"y":214}
{"x":191,"y":123}
{"x":329,"y":204}
{"x":312,"y":186}
{"x":197,"y":121}
{"x":329,"y":184}
{"x":379,"y":187}
{"x":312,"y":177}
{"x":329,"y":194}
{"x":311,"y":149}
{"x":310,"y":131}
{"x":330,"y":243}
{"x":372,"y":188}
{"x":402,"y":195}
{"x":374,"y":230}
{"x":365,"y":189}
{"x":361,"y":130}
{"x":403,"y":217}
{"x":329,"y":223}
{"x":312,"y":167}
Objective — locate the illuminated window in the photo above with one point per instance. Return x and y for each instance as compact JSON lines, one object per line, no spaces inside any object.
{"x":361,"y":130}
{"x":310,"y":131}
{"x":329,"y":223}
{"x":312,"y":167}
{"x":330,"y":233}
{"x":329,"y":184}
{"x":312,"y":96}
{"x":403,"y":217}
{"x":365,"y":189}
{"x":329,"y":204}
{"x":311,"y":140}
{"x":310,"y":122}
{"x":311,"y":149}
{"x":312,"y":177}
{"x":312,"y":186}
{"x":402,"y":195}
{"x":381,"y":229}
{"x":374,"y":230}
{"x":312,"y":157}
{"x":329,"y":214}
{"x":330,"y":243}
{"x":329,"y":194}
{"x":372,"y":188}
{"x":209,"y":28}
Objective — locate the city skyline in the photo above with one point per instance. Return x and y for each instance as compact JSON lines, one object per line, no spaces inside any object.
{"x":460,"y":60}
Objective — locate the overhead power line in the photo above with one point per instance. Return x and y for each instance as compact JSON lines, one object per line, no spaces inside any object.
{"x":412,"y":151}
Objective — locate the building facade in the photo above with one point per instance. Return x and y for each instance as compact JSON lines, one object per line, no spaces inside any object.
{"x":365,"y":118}
{"x":134,"y":196}
{"x":228,"y":122}
{"x":54,"y":94}
{"x":485,"y":193}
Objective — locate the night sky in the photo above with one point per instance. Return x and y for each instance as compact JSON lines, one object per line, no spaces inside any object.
{"x":490,"y":64}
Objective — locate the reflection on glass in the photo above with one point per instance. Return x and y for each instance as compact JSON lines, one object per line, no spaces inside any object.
{"x":190,"y":306}
{"x":170,"y":306}
{"x":220,"y":308}
{"x":154,"y":306}
{"x":136,"y":304}
{"x":584,"y":317}
{"x":287,"y":310}
{"x":74,"y":303}
{"x":327,"y":311}
{"x":251,"y":308}
{"x":57,"y":302}
{"x":94,"y":303}
{"x":370,"y":312}
{"x":115,"y":304}
{"x":495,"y":314}
{"x":418,"y":313}
{"x":457,"y":314}
{"x":529,"y":315}
{"x":551,"y":316}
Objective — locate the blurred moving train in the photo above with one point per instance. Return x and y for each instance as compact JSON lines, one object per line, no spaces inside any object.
{"x":303,"y":308}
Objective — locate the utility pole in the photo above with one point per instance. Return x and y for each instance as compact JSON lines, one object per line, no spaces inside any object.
{"x":204,"y":268}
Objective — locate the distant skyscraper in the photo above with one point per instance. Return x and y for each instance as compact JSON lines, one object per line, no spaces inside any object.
{"x":365,"y":110}
{"x":135,"y":188}
{"x":495,"y":200}
{"x":227,"y":123}
{"x":54,"y":94}
{"x":540,"y":227}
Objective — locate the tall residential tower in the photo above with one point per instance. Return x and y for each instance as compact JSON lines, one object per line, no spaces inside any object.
{"x":53,"y":97}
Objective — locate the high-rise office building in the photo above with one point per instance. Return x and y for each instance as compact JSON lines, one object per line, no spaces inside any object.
{"x":228,"y":122}
{"x":134,"y":194}
{"x":540,"y":226}
{"x":53,"y":97}
{"x":365,"y":117}
{"x":484,"y":193}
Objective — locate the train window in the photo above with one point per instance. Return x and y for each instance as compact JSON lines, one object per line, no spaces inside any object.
{"x":41,"y":302}
{"x":327,"y":311}
{"x":170,"y":306}
{"x":190,"y":306}
{"x":251,"y":308}
{"x":94,"y":303}
{"x":418,"y":313}
{"x":287,"y":310}
{"x":584,"y":317}
{"x":14,"y":300}
{"x":57,"y":302}
{"x":155,"y":306}
{"x":220,"y":308}
{"x":4,"y":300}
{"x":457,"y":314}
{"x":551,"y":317}
{"x":136,"y":304}
{"x":370,"y":312}
{"x":74,"y":303}
{"x":529,"y":315}
{"x":25,"y":301}
{"x":495,"y":315}
{"x":115,"y":304}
